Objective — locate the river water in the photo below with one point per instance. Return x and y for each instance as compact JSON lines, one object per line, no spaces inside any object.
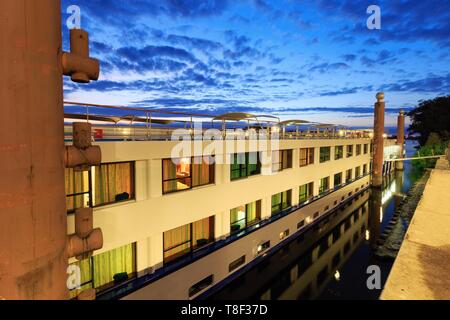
{"x":331,"y":260}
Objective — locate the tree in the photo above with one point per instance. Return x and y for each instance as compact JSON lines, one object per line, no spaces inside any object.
{"x":431,"y":116}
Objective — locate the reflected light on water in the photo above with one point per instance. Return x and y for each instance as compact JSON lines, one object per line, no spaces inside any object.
{"x":337,"y":275}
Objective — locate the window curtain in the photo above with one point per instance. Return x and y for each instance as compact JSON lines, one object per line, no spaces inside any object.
{"x":111,"y":180}
{"x":276,"y":201}
{"x":287,"y":159}
{"x":85,"y":276}
{"x":203,"y":229}
{"x":169,"y":173}
{"x":252,"y":210}
{"x":106,"y":265}
{"x":177,"y":241}
{"x":76,"y":182}
{"x":286,"y":199}
{"x":202,"y":172}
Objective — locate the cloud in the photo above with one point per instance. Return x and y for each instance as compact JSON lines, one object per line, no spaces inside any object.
{"x":440,"y":84}
{"x":328,"y":67}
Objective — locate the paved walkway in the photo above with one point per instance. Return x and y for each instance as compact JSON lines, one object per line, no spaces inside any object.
{"x":422,"y":267}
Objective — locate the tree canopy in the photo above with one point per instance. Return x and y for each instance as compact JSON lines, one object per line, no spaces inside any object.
{"x":431,"y":116}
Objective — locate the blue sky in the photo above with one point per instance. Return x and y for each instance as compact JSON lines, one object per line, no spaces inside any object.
{"x":313,"y":60}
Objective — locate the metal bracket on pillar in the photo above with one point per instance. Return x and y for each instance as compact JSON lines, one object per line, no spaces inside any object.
{"x":82,"y":155}
{"x":77,"y":64}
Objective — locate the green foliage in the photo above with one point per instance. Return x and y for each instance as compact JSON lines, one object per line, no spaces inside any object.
{"x":429,"y":149}
{"x":431,"y":116}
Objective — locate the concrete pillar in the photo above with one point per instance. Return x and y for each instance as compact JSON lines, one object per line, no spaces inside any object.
{"x":378,"y":143}
{"x":400,"y":138}
{"x":33,"y":222}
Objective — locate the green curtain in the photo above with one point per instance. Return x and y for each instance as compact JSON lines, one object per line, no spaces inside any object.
{"x":76,"y":182}
{"x":276,"y":201}
{"x":106,"y":265}
{"x":177,"y":241}
{"x":111,"y":180}
{"x":86,"y":276}
{"x":252,"y":210}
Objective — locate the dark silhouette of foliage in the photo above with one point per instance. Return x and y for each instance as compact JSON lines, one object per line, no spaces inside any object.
{"x":431,"y":116}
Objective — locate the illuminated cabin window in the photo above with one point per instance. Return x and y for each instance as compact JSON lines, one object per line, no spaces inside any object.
{"x":245,"y":216}
{"x":324,"y":154}
{"x":107,"y":269}
{"x":113,"y":182}
{"x":281,"y":160}
{"x":338,"y":152}
{"x":78,"y":189}
{"x":281,"y":201}
{"x":348,"y":175}
{"x":183,"y":240}
{"x":366,"y":148}
{"x":306,"y":192}
{"x":349,"y":151}
{"x":186,"y":173}
{"x":324,"y":185}
{"x":306,"y":157}
{"x":357,"y":172}
{"x":244,"y":165}
{"x":358,"y":149}
{"x":337,"y":179}
{"x":105,"y":184}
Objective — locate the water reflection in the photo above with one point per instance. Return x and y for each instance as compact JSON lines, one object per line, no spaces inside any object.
{"x":302,"y":268}
{"x":331,"y":260}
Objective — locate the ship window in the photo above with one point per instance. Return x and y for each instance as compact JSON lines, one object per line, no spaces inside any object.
{"x":185,"y":173}
{"x":306,"y":192}
{"x":301,"y":224}
{"x":245,"y":215}
{"x":281,"y":160}
{"x":281,"y":201}
{"x":366,"y":148}
{"x":236,"y":263}
{"x":337,"y":179}
{"x":357,"y":172}
{"x":348,"y":175}
{"x":284,"y":234}
{"x":106,"y":269}
{"x":306,"y":156}
{"x":324,"y":154}
{"x":201,"y":285}
{"x":113,"y":182}
{"x":338,"y":152}
{"x":244,"y":165}
{"x":358,"y":149}
{"x":183,"y":240}
{"x":77,"y":186}
{"x":349,"y":151}
{"x":324,"y":185}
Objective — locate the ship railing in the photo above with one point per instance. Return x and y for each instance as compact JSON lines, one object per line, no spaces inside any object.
{"x":118,"y":123}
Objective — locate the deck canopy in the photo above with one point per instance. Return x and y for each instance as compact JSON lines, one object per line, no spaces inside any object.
{"x":116,"y":120}
{"x":295,"y":122}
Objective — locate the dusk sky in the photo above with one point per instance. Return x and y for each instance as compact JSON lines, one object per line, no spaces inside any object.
{"x":312,"y":60}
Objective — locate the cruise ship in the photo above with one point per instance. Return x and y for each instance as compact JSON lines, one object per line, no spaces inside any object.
{"x":190,"y":224}
{"x":108,"y":202}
